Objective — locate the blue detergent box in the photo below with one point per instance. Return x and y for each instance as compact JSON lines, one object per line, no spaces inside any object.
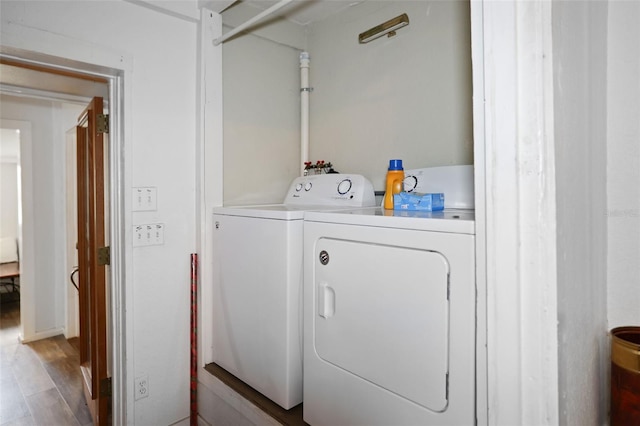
{"x":418,"y":202}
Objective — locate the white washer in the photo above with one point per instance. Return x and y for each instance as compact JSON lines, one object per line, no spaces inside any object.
{"x":389,"y":318}
{"x":257,"y":283}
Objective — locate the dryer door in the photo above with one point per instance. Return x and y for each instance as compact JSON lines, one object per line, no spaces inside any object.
{"x":383,"y":315}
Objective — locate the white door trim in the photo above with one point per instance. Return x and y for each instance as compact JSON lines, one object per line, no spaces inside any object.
{"x":513,"y":114}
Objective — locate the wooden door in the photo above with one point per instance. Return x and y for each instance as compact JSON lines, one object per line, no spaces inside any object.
{"x":92,"y":143}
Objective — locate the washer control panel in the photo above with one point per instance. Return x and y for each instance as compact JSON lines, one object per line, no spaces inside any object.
{"x":334,"y":189}
{"x":456,"y":182}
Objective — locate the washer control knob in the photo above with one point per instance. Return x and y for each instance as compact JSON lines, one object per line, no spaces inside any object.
{"x":344,"y":186}
{"x":298,"y":187}
{"x":410,"y":183}
{"x":307,"y":186}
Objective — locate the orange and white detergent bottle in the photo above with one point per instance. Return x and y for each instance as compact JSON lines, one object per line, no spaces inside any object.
{"x":395,"y":177}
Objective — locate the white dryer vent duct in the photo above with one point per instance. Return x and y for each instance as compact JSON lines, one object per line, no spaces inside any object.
{"x":305,"y":90}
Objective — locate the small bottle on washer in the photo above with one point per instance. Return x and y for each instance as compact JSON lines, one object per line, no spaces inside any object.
{"x":395,"y":176}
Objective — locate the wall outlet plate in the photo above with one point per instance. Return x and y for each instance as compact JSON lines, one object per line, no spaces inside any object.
{"x":141,"y":386}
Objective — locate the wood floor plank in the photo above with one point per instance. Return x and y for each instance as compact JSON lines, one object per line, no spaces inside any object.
{"x":49,"y":408}
{"x":9,"y":324}
{"x":22,"y":421}
{"x":28,"y":368}
{"x":66,"y":375}
{"x":47,"y":349}
{"x":7,"y":355}
{"x":67,"y":347}
{"x":13,"y":404}
{"x":75,"y":344}
{"x":43,"y":376}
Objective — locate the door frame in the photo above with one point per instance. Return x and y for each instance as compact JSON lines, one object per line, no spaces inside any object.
{"x":114,"y":70}
{"x":72,"y":325}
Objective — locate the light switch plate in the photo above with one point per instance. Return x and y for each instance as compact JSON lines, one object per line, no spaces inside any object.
{"x":145,"y":199}
{"x":150,"y":234}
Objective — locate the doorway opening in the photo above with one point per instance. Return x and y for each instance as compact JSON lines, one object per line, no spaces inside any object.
{"x":10,"y":214}
{"x":69,"y":86}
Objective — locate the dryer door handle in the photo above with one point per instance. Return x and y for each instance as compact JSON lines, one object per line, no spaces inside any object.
{"x":326,"y":300}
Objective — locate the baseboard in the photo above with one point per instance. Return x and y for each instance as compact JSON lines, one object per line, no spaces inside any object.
{"x":42,"y":335}
{"x":187,"y":421}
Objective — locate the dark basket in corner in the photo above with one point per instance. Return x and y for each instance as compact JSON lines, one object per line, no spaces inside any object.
{"x":625,"y":376}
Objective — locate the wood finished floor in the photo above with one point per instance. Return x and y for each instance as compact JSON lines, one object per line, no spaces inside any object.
{"x":40,"y":382}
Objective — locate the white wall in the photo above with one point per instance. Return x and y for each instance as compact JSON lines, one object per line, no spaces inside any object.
{"x":580,"y":83}
{"x":623,"y":164}
{"x":159,"y":57}
{"x":9,"y":162}
{"x":407,"y":96}
{"x":261,"y":120}
{"x":9,"y":198}
{"x":404,"y":97}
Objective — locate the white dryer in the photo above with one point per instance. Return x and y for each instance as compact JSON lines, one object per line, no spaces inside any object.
{"x":257,"y":283}
{"x":389,"y":318}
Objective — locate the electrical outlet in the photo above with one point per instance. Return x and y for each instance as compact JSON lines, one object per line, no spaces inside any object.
{"x":141,"y":387}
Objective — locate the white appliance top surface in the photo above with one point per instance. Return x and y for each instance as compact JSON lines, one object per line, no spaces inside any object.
{"x":269,"y":211}
{"x":313,"y":192}
{"x":460,"y":221}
